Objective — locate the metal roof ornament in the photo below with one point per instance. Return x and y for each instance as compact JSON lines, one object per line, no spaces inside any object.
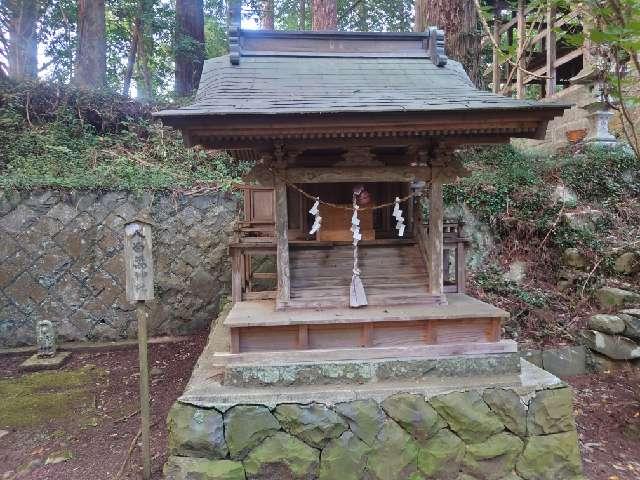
{"x":436,"y":47}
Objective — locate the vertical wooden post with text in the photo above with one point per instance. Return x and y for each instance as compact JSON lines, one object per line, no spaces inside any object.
{"x":138,"y":261}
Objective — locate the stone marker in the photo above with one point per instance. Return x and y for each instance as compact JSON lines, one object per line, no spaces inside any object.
{"x":48,"y":357}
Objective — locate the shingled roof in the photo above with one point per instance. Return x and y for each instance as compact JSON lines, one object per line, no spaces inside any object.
{"x":272,"y":85}
{"x":324,"y":75}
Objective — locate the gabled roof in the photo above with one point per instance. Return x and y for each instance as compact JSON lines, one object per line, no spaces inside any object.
{"x":272,"y":85}
{"x":342,"y":82}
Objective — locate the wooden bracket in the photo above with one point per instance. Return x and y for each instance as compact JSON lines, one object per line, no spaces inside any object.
{"x":436,"y":47}
{"x":235,"y":18}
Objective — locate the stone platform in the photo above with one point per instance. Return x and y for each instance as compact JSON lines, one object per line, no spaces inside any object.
{"x":473,"y":417}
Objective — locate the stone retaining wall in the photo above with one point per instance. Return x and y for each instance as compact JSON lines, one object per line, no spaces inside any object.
{"x":494,"y":434}
{"x":61,"y":256}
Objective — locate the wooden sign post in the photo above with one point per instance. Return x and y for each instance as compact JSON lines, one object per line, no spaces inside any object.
{"x":138,"y":261}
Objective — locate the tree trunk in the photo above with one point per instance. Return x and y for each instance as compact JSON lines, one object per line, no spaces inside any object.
{"x":363,"y":16}
{"x":189,"y":45}
{"x":267,"y":15}
{"x":325,"y":14}
{"x":22,"y":51}
{"x":420,"y":21}
{"x":462,"y":37}
{"x":91,"y":53}
{"x":144,"y":80}
{"x":131,"y":59}
{"x":302,"y":14}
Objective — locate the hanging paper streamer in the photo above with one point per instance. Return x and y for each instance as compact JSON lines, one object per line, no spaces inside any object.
{"x":317,"y":221}
{"x":397,"y":214}
{"x":357,"y":295}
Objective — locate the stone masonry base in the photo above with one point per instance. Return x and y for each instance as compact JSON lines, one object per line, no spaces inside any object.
{"x":493,"y":433}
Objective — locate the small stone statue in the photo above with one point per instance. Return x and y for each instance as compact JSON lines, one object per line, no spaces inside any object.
{"x":46,"y":339}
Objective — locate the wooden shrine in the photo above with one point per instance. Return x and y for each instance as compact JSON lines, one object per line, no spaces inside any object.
{"x":323,"y":114}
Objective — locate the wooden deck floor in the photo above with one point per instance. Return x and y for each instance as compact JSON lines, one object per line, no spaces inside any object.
{"x":256,"y":326}
{"x":262,"y":313}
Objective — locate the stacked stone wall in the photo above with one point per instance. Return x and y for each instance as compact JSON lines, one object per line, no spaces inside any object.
{"x":574,"y":118}
{"x":61,"y":260}
{"x":495,"y":434}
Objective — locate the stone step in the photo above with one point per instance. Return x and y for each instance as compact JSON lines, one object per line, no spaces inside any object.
{"x":315,"y":368}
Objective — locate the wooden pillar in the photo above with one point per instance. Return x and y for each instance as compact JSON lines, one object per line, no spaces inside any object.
{"x":236,"y":275}
{"x":496,"y":52}
{"x":522,"y":27}
{"x":282,"y":243}
{"x":551,"y":50}
{"x":436,"y":284}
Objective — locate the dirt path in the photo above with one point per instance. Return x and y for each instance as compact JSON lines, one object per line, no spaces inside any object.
{"x":99,"y":419}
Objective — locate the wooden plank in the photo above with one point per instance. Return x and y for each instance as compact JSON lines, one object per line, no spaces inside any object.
{"x":303,"y":336}
{"x":435,"y":245}
{"x":551,"y":50}
{"x":520,"y":20}
{"x":496,"y":53}
{"x":459,"y":331}
{"x":272,"y":339}
{"x":559,"y":62}
{"x":358,"y":174}
{"x":267,"y":295}
{"x":282,"y":244}
{"x":398,"y":334}
{"x":366,"y":338}
{"x":341,"y":354}
{"x":334,"y":336}
{"x":496,"y":330}
{"x":263,"y":313}
{"x":234,"y":343}
{"x":461,"y":268}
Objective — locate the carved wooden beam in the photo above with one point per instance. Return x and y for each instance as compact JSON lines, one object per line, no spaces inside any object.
{"x":358,"y":174}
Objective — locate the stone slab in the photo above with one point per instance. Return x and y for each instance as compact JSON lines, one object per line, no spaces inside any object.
{"x":370,"y":371}
{"x":565,"y":361}
{"x":35,"y":363}
{"x":205,"y":392}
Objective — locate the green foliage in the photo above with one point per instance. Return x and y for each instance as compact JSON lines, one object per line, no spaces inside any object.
{"x":490,"y":279}
{"x":601,"y":173}
{"x":65,"y":150}
{"x":503,"y":179}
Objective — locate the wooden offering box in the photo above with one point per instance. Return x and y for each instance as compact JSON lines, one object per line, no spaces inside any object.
{"x":336,"y":224}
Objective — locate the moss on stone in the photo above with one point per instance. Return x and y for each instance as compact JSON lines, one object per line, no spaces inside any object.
{"x":196,"y":432}
{"x":494,"y":458}
{"x":551,"y":411}
{"x":245,"y":426}
{"x":284,"y":457}
{"x":344,"y":458}
{"x":414,"y":414}
{"x":365,"y":417}
{"x":551,"y":457}
{"x":36,"y":398}
{"x":441,"y":456}
{"x":467,"y":415}
{"x":393,"y":455}
{"x":509,"y":408}
{"x":314,"y":424}
{"x":185,"y":468}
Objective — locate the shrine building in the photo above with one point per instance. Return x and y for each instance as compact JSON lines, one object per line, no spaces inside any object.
{"x":348,"y":283}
